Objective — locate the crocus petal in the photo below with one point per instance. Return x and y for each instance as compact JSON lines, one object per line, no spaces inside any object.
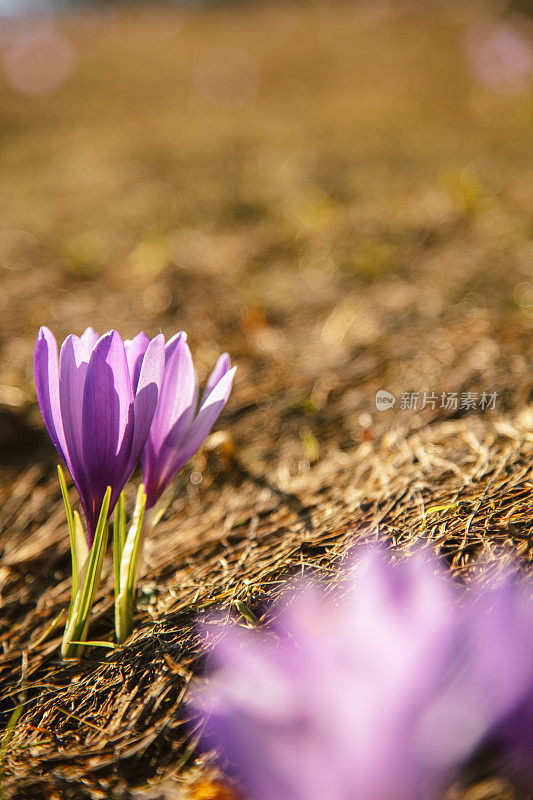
{"x":107,"y":421}
{"x":200,"y":428}
{"x":179,"y":395}
{"x":89,"y":337}
{"x":147,"y":394}
{"x":46,"y":369}
{"x":175,"y":411}
{"x":135,"y":350}
{"x":207,"y":415}
{"x":73,"y":361}
{"x":175,"y":434}
{"x":221,"y":367}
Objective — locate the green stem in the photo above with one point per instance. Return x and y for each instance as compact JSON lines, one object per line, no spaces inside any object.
{"x":89,"y":580}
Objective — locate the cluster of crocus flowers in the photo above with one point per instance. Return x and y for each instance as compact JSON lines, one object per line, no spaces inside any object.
{"x":108,"y":404}
{"x":383,"y":688}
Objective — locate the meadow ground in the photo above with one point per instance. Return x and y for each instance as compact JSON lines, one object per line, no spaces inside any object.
{"x":331,"y":193}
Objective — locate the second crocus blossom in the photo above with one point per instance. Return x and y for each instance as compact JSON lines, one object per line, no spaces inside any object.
{"x":180,"y":426}
{"x":97,"y":412}
{"x":176,"y":433}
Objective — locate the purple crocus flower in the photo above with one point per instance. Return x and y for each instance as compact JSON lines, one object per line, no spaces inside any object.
{"x":97,"y":401}
{"x":326,"y":702}
{"x":178,"y":428}
{"x":500,"y":655}
{"x":383,"y":689}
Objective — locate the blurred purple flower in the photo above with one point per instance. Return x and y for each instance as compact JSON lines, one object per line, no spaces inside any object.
{"x":97,"y":402}
{"x":178,"y":430}
{"x":381,"y":692}
{"x":487,"y":694}
{"x":501,"y":657}
{"x":329,"y":705}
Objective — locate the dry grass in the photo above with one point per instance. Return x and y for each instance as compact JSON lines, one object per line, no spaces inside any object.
{"x":355,"y":217}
